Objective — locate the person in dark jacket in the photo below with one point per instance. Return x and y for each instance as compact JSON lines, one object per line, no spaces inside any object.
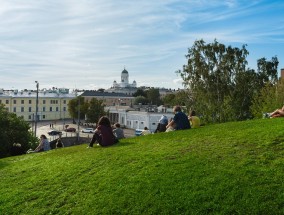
{"x":103,"y":134}
{"x":180,"y":120}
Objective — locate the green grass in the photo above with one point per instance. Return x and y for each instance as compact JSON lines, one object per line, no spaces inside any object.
{"x":230,"y":168}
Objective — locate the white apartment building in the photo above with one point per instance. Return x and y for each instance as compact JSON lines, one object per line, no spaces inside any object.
{"x":137,"y":119}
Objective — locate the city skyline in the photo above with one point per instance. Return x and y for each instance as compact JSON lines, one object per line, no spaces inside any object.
{"x":86,"y":44}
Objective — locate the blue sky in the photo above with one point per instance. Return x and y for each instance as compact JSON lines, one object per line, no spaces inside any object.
{"x":86,"y":44}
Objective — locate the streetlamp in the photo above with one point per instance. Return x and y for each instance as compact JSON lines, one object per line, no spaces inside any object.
{"x":36,"y":115}
{"x":78,"y":135}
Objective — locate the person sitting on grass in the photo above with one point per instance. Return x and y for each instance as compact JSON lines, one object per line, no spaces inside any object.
{"x":194,"y":120}
{"x":44,"y":145}
{"x":180,"y":119}
{"x":161,"y":127}
{"x":277,"y":113}
{"x":146,"y":131}
{"x":103,"y":134}
{"x":118,"y":131}
{"x":171,"y":127}
{"x":59,"y":143}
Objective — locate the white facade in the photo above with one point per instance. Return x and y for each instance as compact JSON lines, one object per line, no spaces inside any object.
{"x":139,"y":119}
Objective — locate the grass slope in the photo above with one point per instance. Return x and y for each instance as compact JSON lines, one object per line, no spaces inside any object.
{"x":231,"y":168}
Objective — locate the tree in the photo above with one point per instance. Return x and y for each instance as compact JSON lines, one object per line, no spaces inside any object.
{"x":140,"y":92}
{"x":141,"y":100}
{"x":101,"y":90}
{"x":221,"y":85}
{"x":267,"y":70}
{"x":14,"y":129}
{"x":73,"y":107}
{"x":209,"y":75}
{"x":153,"y":96}
{"x":169,"y":100}
{"x":184,"y":98}
{"x":95,"y":111}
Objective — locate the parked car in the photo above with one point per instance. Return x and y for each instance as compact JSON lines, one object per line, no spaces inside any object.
{"x":87,"y":130}
{"x":70,"y":129}
{"x":54,"y":132}
{"x":138,"y":132}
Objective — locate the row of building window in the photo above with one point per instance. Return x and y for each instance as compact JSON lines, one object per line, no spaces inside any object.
{"x":30,"y":101}
{"x":43,"y":109}
{"x":31,"y":117}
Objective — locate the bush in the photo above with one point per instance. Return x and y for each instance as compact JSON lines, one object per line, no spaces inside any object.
{"x":14,"y":129}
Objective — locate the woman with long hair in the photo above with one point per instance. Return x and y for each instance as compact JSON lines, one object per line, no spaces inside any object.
{"x":43,"y":145}
{"x":103,"y":134}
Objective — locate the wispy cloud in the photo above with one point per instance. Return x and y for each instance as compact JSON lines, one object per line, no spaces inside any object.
{"x":68,"y":43}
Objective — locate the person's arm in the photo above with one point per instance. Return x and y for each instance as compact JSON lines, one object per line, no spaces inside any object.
{"x":170,"y":124}
{"x":39,"y":147}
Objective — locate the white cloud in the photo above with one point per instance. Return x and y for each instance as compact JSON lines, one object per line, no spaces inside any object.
{"x":87,"y":43}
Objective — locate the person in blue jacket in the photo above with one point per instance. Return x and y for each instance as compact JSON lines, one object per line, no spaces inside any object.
{"x":180,"y":119}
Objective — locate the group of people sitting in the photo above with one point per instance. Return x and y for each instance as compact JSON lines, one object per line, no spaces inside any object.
{"x":106,"y":135}
{"x":179,"y":122}
{"x":45,"y":145}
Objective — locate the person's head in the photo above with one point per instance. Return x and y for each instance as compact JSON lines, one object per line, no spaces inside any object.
{"x":117,"y":125}
{"x":177,"y":109}
{"x":43,"y":136}
{"x":192,"y":113}
{"x":104,"y":121}
{"x":145,"y":128}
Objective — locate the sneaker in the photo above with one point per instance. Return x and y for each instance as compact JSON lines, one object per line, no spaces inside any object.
{"x":89,"y":147}
{"x":266,"y":115}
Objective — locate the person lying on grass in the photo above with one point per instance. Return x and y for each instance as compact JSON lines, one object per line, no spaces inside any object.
{"x":277,"y":113}
{"x":103,"y":134}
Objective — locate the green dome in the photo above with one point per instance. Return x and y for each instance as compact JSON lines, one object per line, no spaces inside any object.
{"x":125,"y":71}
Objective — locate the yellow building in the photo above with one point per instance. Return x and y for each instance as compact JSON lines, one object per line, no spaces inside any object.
{"x":52,"y":104}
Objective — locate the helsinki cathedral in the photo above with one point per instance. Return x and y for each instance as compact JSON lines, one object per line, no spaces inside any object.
{"x":124,"y":81}
{"x":124,"y":86}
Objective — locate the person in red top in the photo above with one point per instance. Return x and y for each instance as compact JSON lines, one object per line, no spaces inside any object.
{"x":103,"y":134}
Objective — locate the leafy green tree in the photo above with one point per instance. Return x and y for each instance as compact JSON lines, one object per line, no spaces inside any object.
{"x":221,"y":85}
{"x":141,"y":99}
{"x":73,"y":107}
{"x":14,"y":129}
{"x":209,"y":75}
{"x":184,"y":98}
{"x":153,"y":96}
{"x":95,"y":111}
{"x":267,"y":71}
{"x":169,"y":100}
{"x":245,"y":86}
{"x":140,"y":92}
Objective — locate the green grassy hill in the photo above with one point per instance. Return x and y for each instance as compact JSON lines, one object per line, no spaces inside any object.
{"x":230,"y":168}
